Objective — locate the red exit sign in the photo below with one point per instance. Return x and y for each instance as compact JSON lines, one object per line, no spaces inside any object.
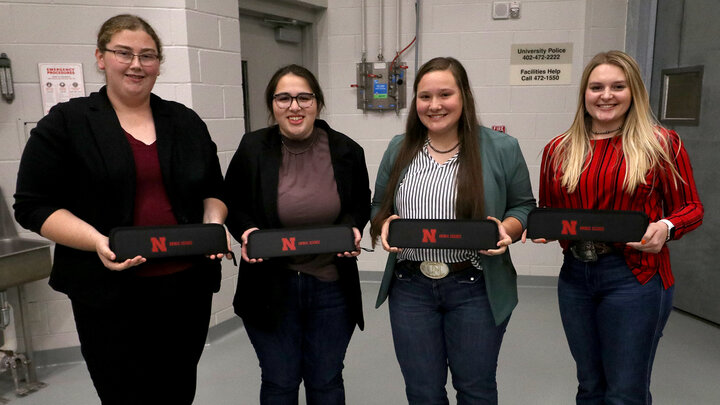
{"x":499,"y":128}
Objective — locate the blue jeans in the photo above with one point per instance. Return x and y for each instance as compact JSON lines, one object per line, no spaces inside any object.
{"x":613,"y":325}
{"x":441,"y":323}
{"x":309,"y":344}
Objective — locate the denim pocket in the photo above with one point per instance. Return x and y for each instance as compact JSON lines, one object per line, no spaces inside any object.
{"x":469,"y":276}
{"x":403,"y":272}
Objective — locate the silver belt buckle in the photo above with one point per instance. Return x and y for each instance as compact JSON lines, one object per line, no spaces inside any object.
{"x":434,"y":270}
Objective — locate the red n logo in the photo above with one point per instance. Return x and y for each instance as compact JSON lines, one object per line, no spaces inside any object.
{"x":569,"y":227}
{"x":288,"y":244}
{"x":429,"y":235}
{"x":158,"y":244}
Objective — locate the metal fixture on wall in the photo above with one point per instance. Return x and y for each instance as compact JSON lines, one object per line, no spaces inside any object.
{"x":7,"y":87}
{"x":381,"y":85}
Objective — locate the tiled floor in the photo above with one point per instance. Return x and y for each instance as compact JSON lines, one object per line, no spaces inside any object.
{"x":535,"y":364}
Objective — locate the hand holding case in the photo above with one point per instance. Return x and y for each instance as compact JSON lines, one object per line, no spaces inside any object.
{"x":267,"y":243}
{"x":153,"y":242}
{"x":591,"y":225}
{"x":443,"y":234}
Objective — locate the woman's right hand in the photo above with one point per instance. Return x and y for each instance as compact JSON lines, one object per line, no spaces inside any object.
{"x":244,"y":242}
{"x":384,"y":234}
{"x":107,"y":256}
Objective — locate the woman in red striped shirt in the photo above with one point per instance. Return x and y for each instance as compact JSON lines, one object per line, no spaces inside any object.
{"x":615,"y":156}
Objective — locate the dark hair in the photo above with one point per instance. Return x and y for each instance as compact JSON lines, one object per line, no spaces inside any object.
{"x":470,"y":202}
{"x":126,"y":22}
{"x":296,"y":70}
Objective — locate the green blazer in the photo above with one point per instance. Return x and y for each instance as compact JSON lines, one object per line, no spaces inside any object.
{"x":507,"y":193}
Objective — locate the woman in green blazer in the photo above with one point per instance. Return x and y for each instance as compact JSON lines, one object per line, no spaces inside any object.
{"x":437,"y":170}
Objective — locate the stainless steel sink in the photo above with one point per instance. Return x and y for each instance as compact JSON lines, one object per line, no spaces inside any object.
{"x":23,"y":261}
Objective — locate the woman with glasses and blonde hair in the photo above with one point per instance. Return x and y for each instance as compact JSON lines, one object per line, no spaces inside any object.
{"x":125,"y":157}
{"x":299,"y":312}
{"x":615,"y":303}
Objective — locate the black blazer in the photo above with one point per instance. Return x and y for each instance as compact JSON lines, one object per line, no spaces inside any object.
{"x":251,"y":185}
{"x":79,"y":159}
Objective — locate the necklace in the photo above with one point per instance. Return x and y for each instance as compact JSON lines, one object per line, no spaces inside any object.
{"x":300,"y":152}
{"x":606,"y":132}
{"x":442,"y":151}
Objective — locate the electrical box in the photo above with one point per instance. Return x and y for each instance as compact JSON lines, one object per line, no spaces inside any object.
{"x":381,"y":86}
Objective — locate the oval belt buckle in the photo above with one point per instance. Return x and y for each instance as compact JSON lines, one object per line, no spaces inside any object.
{"x":434,"y":270}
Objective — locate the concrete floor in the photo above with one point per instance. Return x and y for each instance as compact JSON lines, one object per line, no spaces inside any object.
{"x":535,"y":364}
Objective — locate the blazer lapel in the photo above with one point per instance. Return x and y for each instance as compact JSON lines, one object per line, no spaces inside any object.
{"x":165,"y":138}
{"x":270,"y":160}
{"x":114,"y":150}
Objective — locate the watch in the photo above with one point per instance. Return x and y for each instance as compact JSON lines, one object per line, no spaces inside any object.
{"x":671,"y":229}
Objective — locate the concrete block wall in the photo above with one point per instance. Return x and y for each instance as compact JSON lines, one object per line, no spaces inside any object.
{"x":201,"y":70}
{"x":465,"y":30}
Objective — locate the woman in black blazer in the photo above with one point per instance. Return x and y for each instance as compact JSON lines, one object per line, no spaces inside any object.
{"x":299,"y":312}
{"x":124,"y":157}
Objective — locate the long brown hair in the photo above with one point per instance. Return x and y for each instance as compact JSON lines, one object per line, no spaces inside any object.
{"x":470,"y":198}
{"x":645,"y":147}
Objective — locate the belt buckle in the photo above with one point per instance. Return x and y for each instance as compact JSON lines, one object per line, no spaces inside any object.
{"x":584,"y":251}
{"x":434,"y":270}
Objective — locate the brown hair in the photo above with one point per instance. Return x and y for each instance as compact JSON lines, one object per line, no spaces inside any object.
{"x":126,"y":22}
{"x":296,"y":70}
{"x":470,"y":202}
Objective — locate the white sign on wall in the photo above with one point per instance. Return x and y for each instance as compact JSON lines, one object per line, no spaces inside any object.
{"x":59,"y":82}
{"x":540,"y":64}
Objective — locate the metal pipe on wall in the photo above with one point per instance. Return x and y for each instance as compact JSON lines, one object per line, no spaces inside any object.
{"x":363,"y":11}
{"x":397,"y":27}
{"x":382,"y":33}
{"x":417,"y":34}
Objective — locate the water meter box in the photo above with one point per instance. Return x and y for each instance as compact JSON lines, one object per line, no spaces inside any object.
{"x":379,"y":87}
{"x":168,"y":241}
{"x":267,"y":243}
{"x":443,"y":234}
{"x":591,"y":225}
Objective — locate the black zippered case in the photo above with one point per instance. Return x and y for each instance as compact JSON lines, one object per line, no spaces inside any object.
{"x":478,"y":234}
{"x":153,"y":242}
{"x":268,"y":243}
{"x":582,"y":224}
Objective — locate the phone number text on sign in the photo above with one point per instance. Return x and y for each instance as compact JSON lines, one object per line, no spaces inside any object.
{"x":540,"y":64}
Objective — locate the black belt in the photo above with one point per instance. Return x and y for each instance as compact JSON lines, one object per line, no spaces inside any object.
{"x":588,"y":251}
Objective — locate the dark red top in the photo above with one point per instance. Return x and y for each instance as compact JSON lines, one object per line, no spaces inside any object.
{"x":601,"y":187}
{"x":152,"y":206}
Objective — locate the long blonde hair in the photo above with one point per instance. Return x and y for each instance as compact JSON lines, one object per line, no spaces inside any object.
{"x":644,"y":143}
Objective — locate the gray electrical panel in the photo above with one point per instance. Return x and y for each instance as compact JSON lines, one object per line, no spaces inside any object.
{"x":381,"y":86}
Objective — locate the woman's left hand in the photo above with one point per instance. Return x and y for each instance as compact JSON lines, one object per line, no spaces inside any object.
{"x":654,"y":238}
{"x":503,"y":243}
{"x":229,"y":253}
{"x":355,"y":252}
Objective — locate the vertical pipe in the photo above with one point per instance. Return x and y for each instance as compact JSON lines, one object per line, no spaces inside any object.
{"x":363,"y":11}
{"x":382,"y":15}
{"x":417,"y":34}
{"x":397,"y":27}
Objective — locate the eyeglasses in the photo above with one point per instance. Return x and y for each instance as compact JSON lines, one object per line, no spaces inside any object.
{"x":126,"y":57}
{"x":284,"y":100}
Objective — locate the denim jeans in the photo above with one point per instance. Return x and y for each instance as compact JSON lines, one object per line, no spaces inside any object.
{"x":441,"y":323}
{"x":309,"y":344}
{"x":613,"y":325}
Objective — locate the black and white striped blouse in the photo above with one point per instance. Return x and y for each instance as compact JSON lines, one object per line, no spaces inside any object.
{"x":429,"y":191}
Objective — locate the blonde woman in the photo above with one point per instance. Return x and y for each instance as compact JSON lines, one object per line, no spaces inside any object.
{"x":615,"y":156}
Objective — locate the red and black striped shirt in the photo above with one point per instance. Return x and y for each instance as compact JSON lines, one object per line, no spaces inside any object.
{"x":601,"y":187}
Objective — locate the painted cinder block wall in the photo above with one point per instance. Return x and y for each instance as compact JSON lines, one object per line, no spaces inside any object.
{"x":202,"y":70}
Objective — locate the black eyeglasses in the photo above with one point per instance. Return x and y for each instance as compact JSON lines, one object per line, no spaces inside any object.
{"x":284,"y":100}
{"x":126,"y":57}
